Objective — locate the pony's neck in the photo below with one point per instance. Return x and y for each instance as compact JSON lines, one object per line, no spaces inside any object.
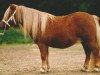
{"x":30,"y":19}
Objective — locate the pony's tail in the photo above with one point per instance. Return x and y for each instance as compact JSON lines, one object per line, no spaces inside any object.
{"x":97,"y":19}
{"x":92,"y":60}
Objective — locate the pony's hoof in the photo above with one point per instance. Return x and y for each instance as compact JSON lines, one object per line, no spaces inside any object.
{"x":42,"y":70}
{"x":85,"y":69}
{"x":48,"y":70}
{"x":96,"y":69}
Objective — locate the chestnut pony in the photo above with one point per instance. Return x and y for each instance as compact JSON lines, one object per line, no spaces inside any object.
{"x":48,"y":30}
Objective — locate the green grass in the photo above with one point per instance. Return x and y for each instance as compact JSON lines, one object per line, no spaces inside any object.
{"x":13,"y":36}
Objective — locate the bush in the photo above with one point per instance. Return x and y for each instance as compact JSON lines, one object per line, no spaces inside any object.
{"x":14,"y":36}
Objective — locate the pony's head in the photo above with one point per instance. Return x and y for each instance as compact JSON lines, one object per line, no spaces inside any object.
{"x":28,"y":19}
{"x":9,"y":17}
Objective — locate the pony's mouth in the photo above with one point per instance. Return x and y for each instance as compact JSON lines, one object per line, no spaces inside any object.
{"x":2,"y":25}
{"x":3,"y":28}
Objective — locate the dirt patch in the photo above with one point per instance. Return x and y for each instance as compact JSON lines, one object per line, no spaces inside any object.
{"x":25,"y":60}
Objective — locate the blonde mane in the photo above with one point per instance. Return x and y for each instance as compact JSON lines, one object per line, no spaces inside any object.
{"x":30,"y":19}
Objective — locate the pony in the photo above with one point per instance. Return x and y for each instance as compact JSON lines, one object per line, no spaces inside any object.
{"x":47,"y":30}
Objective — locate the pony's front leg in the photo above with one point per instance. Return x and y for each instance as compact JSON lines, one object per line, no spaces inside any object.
{"x":44,"y":57}
{"x":87,"y":59}
{"x":47,"y":61}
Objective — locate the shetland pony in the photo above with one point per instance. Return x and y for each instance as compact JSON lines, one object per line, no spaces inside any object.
{"x":47,"y":30}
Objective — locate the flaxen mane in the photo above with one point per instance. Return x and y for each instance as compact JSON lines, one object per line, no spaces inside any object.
{"x":30,"y":19}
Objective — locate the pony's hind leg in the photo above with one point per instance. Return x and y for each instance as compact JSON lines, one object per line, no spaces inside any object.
{"x":44,"y":57}
{"x":92,"y":53}
{"x":88,"y":53}
{"x":95,"y":51}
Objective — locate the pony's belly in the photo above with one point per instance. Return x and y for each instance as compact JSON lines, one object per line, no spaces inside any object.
{"x":61,"y":44}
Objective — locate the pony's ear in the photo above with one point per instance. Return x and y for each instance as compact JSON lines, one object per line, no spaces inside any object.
{"x":13,"y":7}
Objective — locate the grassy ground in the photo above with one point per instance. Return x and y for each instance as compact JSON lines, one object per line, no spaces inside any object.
{"x":13,"y":36}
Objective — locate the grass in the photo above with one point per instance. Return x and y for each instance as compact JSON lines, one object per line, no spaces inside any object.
{"x":13,"y":36}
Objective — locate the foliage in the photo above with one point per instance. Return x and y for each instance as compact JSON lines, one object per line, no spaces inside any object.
{"x":14,"y":36}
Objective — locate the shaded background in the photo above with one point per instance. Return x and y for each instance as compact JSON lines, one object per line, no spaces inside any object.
{"x":55,"y":7}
